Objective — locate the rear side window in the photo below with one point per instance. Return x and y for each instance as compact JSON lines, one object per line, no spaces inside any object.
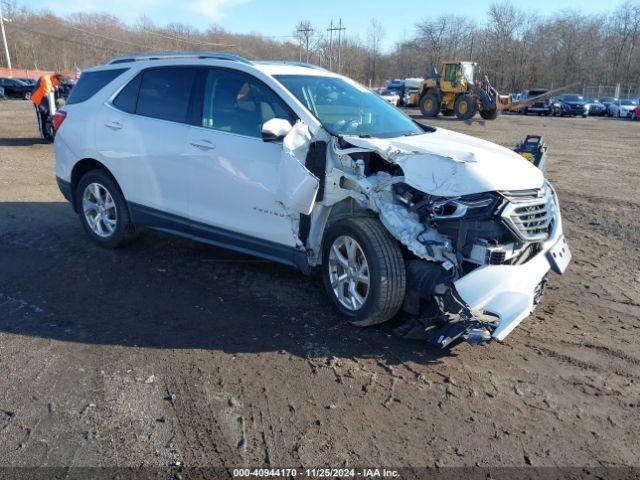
{"x":128,"y":96}
{"x":165,"y":93}
{"x":91,"y":83}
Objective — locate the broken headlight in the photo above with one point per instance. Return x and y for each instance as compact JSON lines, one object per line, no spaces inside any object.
{"x":476,"y":206}
{"x":472,"y":207}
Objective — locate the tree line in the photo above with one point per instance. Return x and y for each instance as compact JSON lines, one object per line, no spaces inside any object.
{"x":517,"y":48}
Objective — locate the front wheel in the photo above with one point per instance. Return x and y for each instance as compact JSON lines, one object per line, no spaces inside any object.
{"x":363,"y":271}
{"x":27,"y":96}
{"x":103,"y":210}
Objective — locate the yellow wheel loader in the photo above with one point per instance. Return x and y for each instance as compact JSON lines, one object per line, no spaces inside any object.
{"x":461,"y":90}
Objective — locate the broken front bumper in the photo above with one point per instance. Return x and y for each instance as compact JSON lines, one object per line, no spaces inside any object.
{"x":509,"y":291}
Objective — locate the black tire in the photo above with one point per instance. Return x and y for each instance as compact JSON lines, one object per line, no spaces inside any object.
{"x":429,"y":105}
{"x":27,"y":96}
{"x":125,"y":231}
{"x":386,"y":270}
{"x":465,"y":106}
{"x":489,"y":114}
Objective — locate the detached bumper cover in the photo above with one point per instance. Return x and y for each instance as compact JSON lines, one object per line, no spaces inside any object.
{"x":509,"y":291}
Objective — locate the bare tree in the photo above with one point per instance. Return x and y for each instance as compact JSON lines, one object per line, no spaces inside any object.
{"x":516,"y":48}
{"x":375,"y":36}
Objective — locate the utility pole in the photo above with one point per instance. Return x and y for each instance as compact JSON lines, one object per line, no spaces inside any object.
{"x":330,"y":30}
{"x":339,"y":27}
{"x":4,"y":38}
{"x":304,"y":32}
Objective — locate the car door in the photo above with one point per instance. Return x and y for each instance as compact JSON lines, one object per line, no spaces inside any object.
{"x":234,"y":173}
{"x":142,"y":136}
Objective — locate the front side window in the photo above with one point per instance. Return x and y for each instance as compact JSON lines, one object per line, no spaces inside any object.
{"x":165,"y":93}
{"x":347,"y":108}
{"x":238,"y":103}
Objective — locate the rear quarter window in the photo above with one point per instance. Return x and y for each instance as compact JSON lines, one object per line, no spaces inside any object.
{"x":91,"y":83}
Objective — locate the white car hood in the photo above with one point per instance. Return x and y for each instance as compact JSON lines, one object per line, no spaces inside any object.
{"x":446,"y":163}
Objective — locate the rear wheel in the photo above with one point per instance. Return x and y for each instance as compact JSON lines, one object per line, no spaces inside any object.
{"x":103,"y":210}
{"x":27,"y":95}
{"x":429,"y":105}
{"x":363,"y":271}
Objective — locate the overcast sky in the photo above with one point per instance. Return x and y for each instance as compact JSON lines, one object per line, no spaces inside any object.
{"x":277,"y":18}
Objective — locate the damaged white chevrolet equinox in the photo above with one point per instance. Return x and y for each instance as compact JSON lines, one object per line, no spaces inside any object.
{"x":299,"y":165}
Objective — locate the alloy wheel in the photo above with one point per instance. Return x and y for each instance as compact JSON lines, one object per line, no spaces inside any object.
{"x":99,"y":210}
{"x":349,"y":273}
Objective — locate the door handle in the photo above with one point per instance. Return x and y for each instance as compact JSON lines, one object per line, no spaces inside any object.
{"x":113,"y":125}
{"x":203,"y":145}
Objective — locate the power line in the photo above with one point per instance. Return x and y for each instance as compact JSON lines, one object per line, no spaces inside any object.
{"x":62,"y":39}
{"x":193,"y":42}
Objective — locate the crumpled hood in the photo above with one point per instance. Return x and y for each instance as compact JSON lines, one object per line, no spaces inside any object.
{"x":446,"y":163}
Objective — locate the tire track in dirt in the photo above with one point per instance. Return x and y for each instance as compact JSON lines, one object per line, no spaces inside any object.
{"x":201,"y":439}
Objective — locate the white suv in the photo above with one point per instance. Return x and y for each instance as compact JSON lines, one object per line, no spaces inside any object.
{"x":298,"y":165}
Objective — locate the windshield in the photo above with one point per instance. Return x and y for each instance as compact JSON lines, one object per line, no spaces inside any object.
{"x":346,"y":108}
{"x":627,"y":102}
{"x":572,"y":97}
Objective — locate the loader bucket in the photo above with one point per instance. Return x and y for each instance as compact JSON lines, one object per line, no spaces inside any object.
{"x":490,"y":113}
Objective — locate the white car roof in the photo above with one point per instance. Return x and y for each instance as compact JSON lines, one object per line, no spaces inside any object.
{"x":272,"y":68}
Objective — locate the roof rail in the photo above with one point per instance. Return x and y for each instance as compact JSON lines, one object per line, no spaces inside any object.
{"x":295,"y":64}
{"x":140,"y":57}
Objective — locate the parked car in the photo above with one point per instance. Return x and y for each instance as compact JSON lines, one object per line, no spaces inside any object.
{"x":570,"y":104}
{"x":65,"y":88}
{"x":302,"y":166}
{"x":595,"y":107}
{"x":391,"y":96}
{"x":606,"y":101}
{"x":28,"y":81}
{"x":636,"y":113}
{"x":14,"y":88}
{"x":622,"y":108}
{"x":543,"y":106}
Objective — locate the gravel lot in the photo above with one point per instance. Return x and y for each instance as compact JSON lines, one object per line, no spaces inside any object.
{"x":170,"y":351}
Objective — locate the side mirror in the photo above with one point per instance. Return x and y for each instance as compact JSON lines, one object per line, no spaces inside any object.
{"x":275,"y":129}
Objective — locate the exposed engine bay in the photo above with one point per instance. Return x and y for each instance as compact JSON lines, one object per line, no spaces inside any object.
{"x":478,"y":245}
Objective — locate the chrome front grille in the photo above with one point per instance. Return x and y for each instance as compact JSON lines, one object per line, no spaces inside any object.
{"x":529,"y":213}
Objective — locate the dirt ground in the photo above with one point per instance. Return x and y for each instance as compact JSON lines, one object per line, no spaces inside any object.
{"x":170,"y":352}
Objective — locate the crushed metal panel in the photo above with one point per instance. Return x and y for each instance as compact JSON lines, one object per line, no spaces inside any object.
{"x":297,"y":186}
